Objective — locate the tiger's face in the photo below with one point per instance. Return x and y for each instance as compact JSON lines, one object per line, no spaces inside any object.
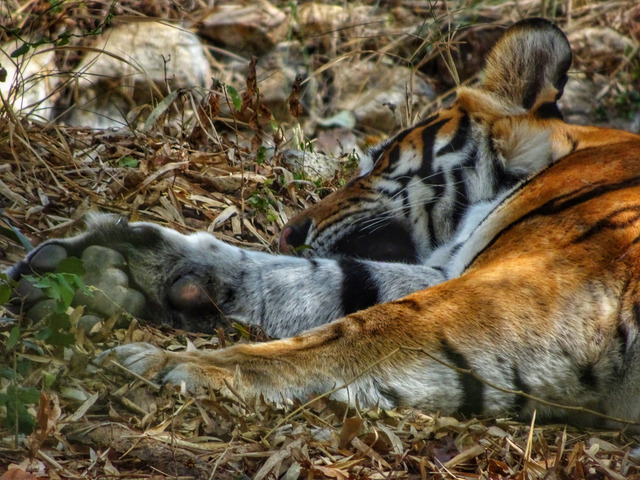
{"x":412,"y":191}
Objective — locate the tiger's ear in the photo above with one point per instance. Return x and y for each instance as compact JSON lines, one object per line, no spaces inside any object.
{"x":529,"y":65}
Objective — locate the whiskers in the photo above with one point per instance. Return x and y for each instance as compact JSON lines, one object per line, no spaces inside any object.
{"x":403,"y":208}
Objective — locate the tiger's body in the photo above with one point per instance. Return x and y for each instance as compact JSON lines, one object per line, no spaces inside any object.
{"x":511,"y":284}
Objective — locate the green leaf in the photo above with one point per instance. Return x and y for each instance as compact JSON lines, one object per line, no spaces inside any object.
{"x":9,"y":374}
{"x":235,"y":97}
{"x":61,"y":339}
{"x":28,"y":395}
{"x":14,"y":336}
{"x":66,"y":294}
{"x":59,"y":322}
{"x":43,"y":333}
{"x":63,"y":39}
{"x":53,"y":290}
{"x":24,"y":365}
{"x":244,"y":333}
{"x":129,"y":162}
{"x":18,"y":52}
{"x":16,"y":400}
{"x":5,"y":293}
{"x":71,"y":265}
{"x":31,"y":345}
{"x":26,"y":421}
{"x":48,"y":379}
{"x":261,"y":155}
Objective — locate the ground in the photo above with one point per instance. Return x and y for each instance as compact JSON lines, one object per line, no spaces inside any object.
{"x":59,"y":421}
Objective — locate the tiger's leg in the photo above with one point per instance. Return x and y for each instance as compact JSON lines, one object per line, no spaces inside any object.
{"x":197,"y":282}
{"x":456,"y":347}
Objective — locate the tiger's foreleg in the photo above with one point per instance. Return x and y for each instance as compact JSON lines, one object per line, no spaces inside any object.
{"x":196,"y":282}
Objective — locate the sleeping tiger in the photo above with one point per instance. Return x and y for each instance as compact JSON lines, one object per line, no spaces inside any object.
{"x":484,"y":261}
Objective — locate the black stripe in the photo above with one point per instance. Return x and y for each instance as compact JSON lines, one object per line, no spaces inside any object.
{"x":568,"y":201}
{"x":460,"y":199}
{"x":471,"y":158}
{"x":359,"y":290}
{"x":428,"y":141}
{"x":519,"y":401}
{"x":427,"y":120}
{"x":393,"y":155}
{"x":460,"y":138}
{"x":437,"y":182}
{"x":622,"y":337}
{"x":548,"y":110}
{"x":588,"y":377}
{"x":636,"y":313}
{"x":390,"y":394}
{"x":558,"y":204}
{"x":472,"y":388}
{"x":609,"y":222}
{"x":503,"y":178}
{"x":393,"y":147}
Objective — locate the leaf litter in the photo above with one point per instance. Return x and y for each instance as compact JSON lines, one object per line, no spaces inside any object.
{"x":110,"y":424}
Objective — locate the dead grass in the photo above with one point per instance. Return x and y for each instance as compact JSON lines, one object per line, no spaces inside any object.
{"x":110,"y":424}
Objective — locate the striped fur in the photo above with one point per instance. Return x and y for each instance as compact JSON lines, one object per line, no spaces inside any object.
{"x":510,"y":283}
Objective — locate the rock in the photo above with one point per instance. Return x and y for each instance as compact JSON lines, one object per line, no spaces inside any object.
{"x":310,"y":165}
{"x":30,"y":83}
{"x":252,"y":29}
{"x":337,"y":142}
{"x":598,"y":49}
{"x":276,"y":73}
{"x":324,"y":24}
{"x":378,"y":94}
{"x":578,"y":102}
{"x":582,"y":104}
{"x":130,"y":68}
{"x":88,"y":322}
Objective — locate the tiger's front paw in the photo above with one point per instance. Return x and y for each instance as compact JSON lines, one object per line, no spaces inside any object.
{"x":104,"y":272}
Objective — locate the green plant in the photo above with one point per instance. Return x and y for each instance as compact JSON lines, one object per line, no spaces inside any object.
{"x":263,"y":200}
{"x":261,"y":154}
{"x":128,"y":161}
{"x":15,"y":401}
{"x":235,"y":97}
{"x":55,"y":330}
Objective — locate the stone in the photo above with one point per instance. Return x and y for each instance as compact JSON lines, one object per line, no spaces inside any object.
{"x":134,"y":63}
{"x":311,"y":165}
{"x":252,"y":28}
{"x":30,"y":80}
{"x":378,"y":94}
{"x":598,"y":49}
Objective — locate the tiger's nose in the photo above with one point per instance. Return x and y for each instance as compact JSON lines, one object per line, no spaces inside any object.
{"x":294,"y":235}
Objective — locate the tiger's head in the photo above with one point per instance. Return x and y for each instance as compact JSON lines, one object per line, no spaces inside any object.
{"x":412,"y":191}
